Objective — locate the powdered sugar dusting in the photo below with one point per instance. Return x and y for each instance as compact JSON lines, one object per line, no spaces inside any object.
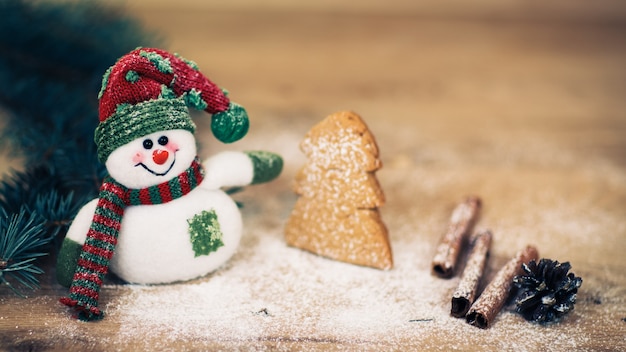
{"x":292,"y":296}
{"x":272,"y":293}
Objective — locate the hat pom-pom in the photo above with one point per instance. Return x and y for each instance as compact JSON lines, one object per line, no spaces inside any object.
{"x":230,"y":125}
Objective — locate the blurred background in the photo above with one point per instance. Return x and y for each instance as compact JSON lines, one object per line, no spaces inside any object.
{"x":504,"y":77}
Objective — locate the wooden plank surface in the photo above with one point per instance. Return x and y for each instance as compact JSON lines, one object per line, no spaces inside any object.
{"x":524,"y":107}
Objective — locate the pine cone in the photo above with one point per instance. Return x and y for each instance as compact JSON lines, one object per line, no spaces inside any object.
{"x":546,"y":292}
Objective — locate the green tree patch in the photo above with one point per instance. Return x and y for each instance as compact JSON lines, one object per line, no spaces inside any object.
{"x":205,"y":233}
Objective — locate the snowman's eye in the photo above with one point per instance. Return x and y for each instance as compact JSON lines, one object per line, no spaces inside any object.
{"x":148,"y":144}
{"x":163,"y":140}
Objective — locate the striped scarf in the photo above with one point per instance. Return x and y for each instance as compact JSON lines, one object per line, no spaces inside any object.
{"x":93,"y":263}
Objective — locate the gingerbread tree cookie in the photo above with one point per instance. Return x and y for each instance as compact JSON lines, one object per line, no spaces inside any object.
{"x":336,"y":214}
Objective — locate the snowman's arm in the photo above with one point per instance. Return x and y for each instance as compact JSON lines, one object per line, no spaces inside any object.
{"x":236,"y":169}
{"x":73,"y":243}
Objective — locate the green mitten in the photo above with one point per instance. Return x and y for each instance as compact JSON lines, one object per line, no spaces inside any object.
{"x":267,"y":166}
{"x":66,"y":261}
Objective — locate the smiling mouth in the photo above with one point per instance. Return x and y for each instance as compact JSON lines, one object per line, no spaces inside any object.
{"x":154,"y":172}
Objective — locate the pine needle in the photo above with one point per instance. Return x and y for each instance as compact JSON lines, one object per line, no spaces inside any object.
{"x":22,"y":237}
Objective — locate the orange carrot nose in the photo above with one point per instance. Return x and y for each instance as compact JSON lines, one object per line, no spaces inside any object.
{"x":160,"y":156}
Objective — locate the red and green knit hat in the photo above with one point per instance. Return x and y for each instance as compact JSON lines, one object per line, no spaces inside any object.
{"x":150,"y":90}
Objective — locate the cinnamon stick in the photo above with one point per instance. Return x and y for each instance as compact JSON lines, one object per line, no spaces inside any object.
{"x":487,"y":306}
{"x":465,"y":293}
{"x":461,"y":222}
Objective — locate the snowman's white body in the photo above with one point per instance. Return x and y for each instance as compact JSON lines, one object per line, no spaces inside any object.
{"x":154,"y":244}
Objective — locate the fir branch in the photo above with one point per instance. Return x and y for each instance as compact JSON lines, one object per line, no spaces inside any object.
{"x":52,"y":58}
{"x":57,"y":212}
{"x":20,"y":189}
{"x":23,"y":238}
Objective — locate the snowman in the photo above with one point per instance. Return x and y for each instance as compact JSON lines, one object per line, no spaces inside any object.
{"x":160,"y":216}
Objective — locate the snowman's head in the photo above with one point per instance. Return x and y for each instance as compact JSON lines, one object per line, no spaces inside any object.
{"x":152,"y":159}
{"x":145,"y":134}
